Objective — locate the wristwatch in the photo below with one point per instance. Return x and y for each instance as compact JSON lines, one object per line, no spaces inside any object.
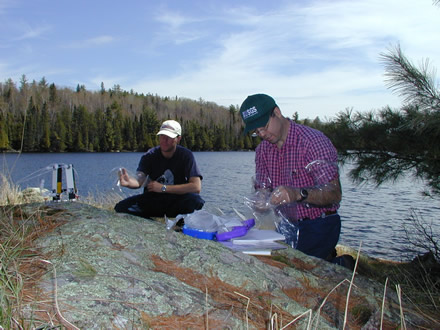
{"x":164,"y":188}
{"x":304,"y":194}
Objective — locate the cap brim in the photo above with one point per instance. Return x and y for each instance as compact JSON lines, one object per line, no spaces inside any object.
{"x":168,"y":133}
{"x":259,"y":122}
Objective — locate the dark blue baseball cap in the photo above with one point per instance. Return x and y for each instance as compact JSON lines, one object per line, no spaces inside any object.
{"x":256,"y":111}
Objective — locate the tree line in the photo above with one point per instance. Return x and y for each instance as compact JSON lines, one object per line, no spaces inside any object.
{"x":41,"y":117}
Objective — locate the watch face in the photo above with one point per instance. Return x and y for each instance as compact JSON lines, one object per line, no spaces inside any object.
{"x":164,"y":188}
{"x":304,"y":193}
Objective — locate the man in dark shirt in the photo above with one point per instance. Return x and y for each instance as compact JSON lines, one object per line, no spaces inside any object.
{"x":169,"y":175}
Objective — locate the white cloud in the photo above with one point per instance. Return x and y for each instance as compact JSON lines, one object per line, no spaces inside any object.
{"x":32,"y":32}
{"x":172,"y":19}
{"x":101,"y":40}
{"x":92,"y":42}
{"x":177,"y":28}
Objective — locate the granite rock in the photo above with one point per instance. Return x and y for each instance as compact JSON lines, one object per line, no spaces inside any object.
{"x":107,"y":270}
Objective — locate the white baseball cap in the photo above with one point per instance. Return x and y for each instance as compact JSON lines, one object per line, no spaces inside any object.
{"x":170,"y":128}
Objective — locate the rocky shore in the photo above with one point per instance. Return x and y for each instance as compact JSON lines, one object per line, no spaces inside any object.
{"x":102,"y":270}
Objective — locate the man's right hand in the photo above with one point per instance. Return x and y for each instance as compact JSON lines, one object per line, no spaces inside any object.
{"x":124,"y":178}
{"x":282,"y":195}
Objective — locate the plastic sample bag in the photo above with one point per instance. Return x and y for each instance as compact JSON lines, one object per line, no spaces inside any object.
{"x":202,"y":224}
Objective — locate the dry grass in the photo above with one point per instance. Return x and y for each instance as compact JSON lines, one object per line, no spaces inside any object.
{"x":20,"y":265}
{"x":105,"y":201}
{"x":10,"y":194}
{"x":419,"y":282}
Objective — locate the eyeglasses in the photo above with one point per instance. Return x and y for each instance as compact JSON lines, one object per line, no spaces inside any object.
{"x":259,"y":131}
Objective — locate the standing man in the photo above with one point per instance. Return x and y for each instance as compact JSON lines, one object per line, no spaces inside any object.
{"x":170,"y":178}
{"x":281,"y":165}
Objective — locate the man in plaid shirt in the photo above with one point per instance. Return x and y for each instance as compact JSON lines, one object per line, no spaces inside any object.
{"x":298,"y":165}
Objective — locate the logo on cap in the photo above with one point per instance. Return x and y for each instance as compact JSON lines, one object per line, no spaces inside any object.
{"x":249,"y":113}
{"x":170,"y":128}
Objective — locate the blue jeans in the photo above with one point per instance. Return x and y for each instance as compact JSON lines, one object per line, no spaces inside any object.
{"x":318,"y":237}
{"x":158,"y":204}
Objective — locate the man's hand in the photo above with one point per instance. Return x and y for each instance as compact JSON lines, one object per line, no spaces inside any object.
{"x":260,"y":201}
{"x":325,"y":195}
{"x":282,"y":195}
{"x":124,"y":178}
{"x":154,"y":186}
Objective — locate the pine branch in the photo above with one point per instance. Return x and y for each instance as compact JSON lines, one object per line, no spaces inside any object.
{"x":417,"y":86}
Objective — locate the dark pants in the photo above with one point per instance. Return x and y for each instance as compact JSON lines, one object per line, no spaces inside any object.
{"x":318,"y":237}
{"x":158,"y":204}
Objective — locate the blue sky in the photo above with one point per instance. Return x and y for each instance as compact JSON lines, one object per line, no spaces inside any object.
{"x":314,"y":57}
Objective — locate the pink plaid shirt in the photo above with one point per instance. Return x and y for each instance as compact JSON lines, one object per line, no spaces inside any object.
{"x":287,"y":166}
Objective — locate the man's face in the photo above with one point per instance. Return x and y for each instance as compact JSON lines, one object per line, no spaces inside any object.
{"x":168,"y":144}
{"x":270,"y":132}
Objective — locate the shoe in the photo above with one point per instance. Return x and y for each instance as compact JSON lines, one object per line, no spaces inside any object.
{"x":332,"y":255}
{"x":347,"y":261}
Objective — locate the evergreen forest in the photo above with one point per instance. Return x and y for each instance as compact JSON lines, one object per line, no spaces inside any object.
{"x":41,"y":117}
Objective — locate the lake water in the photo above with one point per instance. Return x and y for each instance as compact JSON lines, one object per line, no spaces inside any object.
{"x":371,"y":216}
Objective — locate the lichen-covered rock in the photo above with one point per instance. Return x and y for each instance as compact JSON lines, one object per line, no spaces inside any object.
{"x":109,"y":270}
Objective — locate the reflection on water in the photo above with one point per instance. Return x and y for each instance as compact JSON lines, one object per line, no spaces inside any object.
{"x":373,"y":216}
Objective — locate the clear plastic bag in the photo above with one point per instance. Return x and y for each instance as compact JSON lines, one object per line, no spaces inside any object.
{"x":289,"y":229}
{"x":205,"y":221}
{"x":201,"y":220}
{"x":266,"y":220}
{"x":258,"y":201}
{"x":322,"y":171}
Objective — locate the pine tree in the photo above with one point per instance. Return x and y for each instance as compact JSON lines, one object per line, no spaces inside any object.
{"x":31,"y":131}
{"x":78,"y":122}
{"x":52,"y":94}
{"x":58,"y":135}
{"x":45,"y":129}
{"x":109,"y":136}
{"x":117,"y":125}
{"x":391,"y":143}
{"x":4,"y":140}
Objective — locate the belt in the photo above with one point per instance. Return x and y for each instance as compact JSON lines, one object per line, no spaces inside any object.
{"x":323,"y":215}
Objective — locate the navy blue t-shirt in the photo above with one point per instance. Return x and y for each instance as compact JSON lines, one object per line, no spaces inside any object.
{"x":176,"y":170}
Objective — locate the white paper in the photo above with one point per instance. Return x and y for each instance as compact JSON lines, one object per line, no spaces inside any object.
{"x":258,"y":236}
{"x":258,"y":248}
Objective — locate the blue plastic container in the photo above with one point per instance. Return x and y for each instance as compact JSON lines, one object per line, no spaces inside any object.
{"x":198,"y":233}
